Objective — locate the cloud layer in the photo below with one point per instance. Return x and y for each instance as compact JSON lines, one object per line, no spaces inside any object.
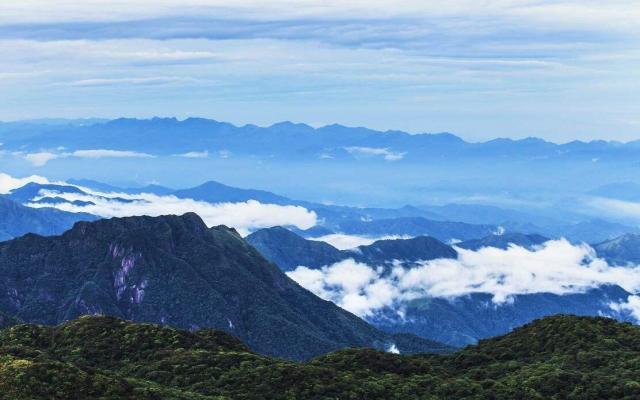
{"x":8,"y":183}
{"x":343,"y":241}
{"x":244,"y":216}
{"x":556,"y":267}
{"x":385,"y":153}
{"x":39,"y":159}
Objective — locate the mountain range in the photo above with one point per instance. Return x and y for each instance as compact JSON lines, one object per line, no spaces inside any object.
{"x":559,"y":357}
{"x":172,"y":135}
{"x":356,"y":166}
{"x":175,"y":271}
{"x":455,"y":321}
{"x":288,"y":250}
{"x":452,"y":222}
{"x":17,"y":220}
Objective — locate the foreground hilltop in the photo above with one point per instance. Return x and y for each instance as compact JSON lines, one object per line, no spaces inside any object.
{"x":560,"y":357}
{"x":174,"y":270}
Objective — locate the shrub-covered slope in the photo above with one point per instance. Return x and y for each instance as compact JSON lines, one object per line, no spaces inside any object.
{"x":560,"y":357}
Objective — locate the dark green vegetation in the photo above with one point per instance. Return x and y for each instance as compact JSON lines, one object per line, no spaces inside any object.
{"x":175,"y":271}
{"x":288,"y":250}
{"x":560,"y":357}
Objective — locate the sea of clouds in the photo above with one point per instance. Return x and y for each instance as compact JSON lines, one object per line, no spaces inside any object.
{"x":557,"y":267}
{"x":244,"y":216}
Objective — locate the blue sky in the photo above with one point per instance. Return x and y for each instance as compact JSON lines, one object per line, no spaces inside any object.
{"x":561,"y":70}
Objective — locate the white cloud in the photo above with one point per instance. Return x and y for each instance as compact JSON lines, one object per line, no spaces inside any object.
{"x":154,"y":80}
{"x":614,"y":14}
{"x":393,"y":349}
{"x":194,"y":154}
{"x":244,"y":216}
{"x":354,"y":286}
{"x":556,"y":267}
{"x":617,"y":208}
{"x":343,"y":241}
{"x":632,"y":306}
{"x":41,"y":158}
{"x":376,"y":151}
{"x":103,"y":153}
{"x":8,"y":183}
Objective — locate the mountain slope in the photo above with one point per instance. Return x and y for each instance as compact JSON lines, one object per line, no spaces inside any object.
{"x":17,"y":220}
{"x":214,"y":192}
{"x":560,"y":357}
{"x":467,"y":319}
{"x":455,"y":321}
{"x":175,"y":271}
{"x":31,"y":190}
{"x":409,"y":250}
{"x":503,"y":241}
{"x":417,"y":226}
{"x":621,"y":250}
{"x":288,"y":250}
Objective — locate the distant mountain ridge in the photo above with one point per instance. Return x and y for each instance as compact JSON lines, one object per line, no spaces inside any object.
{"x":621,"y":250}
{"x":183,"y":133}
{"x":452,"y":222}
{"x":288,"y":250}
{"x":456,"y":321}
{"x":17,"y":220}
{"x":352,"y":164}
{"x":503,"y":241}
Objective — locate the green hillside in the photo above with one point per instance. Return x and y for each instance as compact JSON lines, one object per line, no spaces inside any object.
{"x":559,"y":357}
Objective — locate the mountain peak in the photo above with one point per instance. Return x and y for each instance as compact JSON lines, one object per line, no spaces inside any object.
{"x":173,"y":270}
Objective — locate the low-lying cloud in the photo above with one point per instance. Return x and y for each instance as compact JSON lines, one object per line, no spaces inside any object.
{"x":194,"y":154}
{"x":556,"y":267}
{"x":8,"y":183}
{"x":244,"y":216}
{"x":385,"y":153}
{"x":342,"y":241}
{"x":616,"y":208}
{"x":39,"y":159}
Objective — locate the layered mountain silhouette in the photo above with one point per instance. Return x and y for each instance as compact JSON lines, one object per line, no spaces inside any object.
{"x":453,"y":222}
{"x":503,"y":241}
{"x":289,"y":250}
{"x":172,"y":135}
{"x":467,"y":319}
{"x":17,"y":220}
{"x":456,"y":321}
{"x":175,"y":271}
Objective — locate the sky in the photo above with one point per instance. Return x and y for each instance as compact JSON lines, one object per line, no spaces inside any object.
{"x":560,"y":70}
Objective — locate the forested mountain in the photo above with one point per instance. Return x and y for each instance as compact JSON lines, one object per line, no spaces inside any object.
{"x":175,"y":271}
{"x":560,"y":357}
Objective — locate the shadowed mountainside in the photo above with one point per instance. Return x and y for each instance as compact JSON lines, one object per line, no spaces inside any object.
{"x":175,"y":271}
